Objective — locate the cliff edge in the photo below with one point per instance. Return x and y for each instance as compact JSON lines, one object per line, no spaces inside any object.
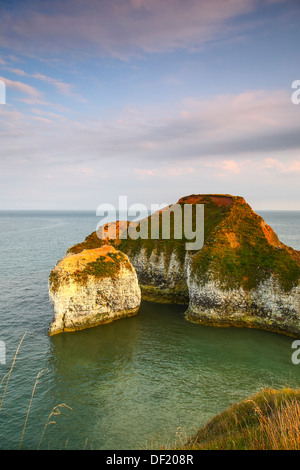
{"x":243,"y":275}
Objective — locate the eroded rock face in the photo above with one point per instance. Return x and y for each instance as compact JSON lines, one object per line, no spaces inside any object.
{"x":243,"y":275}
{"x":92,"y":287}
{"x":162,"y":277}
{"x":266,"y":306}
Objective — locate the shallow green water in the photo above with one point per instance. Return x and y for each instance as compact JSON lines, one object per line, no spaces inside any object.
{"x":130,"y":382}
{"x":143,"y":377}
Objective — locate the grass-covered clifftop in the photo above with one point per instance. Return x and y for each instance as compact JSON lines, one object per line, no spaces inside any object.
{"x":100,"y":263}
{"x":240,"y":249}
{"x":242,"y":276}
{"x":269,"y":420}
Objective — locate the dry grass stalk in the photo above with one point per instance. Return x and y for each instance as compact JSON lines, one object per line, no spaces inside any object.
{"x":10,"y":371}
{"x":30,"y":403}
{"x":55,"y":411}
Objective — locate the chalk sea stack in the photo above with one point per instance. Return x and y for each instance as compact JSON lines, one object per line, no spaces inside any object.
{"x":92,"y":287}
{"x":243,"y":275}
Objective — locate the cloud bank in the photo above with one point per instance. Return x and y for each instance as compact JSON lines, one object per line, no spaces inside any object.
{"x":254,"y":121}
{"x":120,"y":28}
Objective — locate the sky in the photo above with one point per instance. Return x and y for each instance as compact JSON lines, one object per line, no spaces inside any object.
{"x":149,"y":99}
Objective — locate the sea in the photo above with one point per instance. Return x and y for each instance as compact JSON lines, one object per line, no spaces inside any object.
{"x":142,"y":382}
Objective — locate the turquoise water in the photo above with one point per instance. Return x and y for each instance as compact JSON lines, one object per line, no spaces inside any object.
{"x":129,"y":382}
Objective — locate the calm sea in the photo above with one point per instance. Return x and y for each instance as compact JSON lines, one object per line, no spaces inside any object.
{"x":131,"y":382}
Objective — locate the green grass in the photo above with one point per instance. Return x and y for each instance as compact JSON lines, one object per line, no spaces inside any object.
{"x":253,"y":260}
{"x":269,"y":420}
{"x":103,"y":266}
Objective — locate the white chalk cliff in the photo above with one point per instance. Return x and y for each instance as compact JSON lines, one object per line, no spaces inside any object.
{"x":93,"y":287}
{"x":243,"y":276}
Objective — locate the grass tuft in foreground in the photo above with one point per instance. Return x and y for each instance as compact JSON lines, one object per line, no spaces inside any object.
{"x":55,"y":411}
{"x":270,"y":420}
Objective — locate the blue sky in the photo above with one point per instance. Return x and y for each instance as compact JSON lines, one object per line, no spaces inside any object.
{"x":153,"y":99}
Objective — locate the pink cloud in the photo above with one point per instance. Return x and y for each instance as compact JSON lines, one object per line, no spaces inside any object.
{"x":290,"y":166}
{"x":256,"y":165}
{"x":60,"y":85}
{"x":144,"y":172}
{"x":169,"y":171}
{"x":231,"y":166}
{"x":22,"y":87}
{"x":43,"y":120}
